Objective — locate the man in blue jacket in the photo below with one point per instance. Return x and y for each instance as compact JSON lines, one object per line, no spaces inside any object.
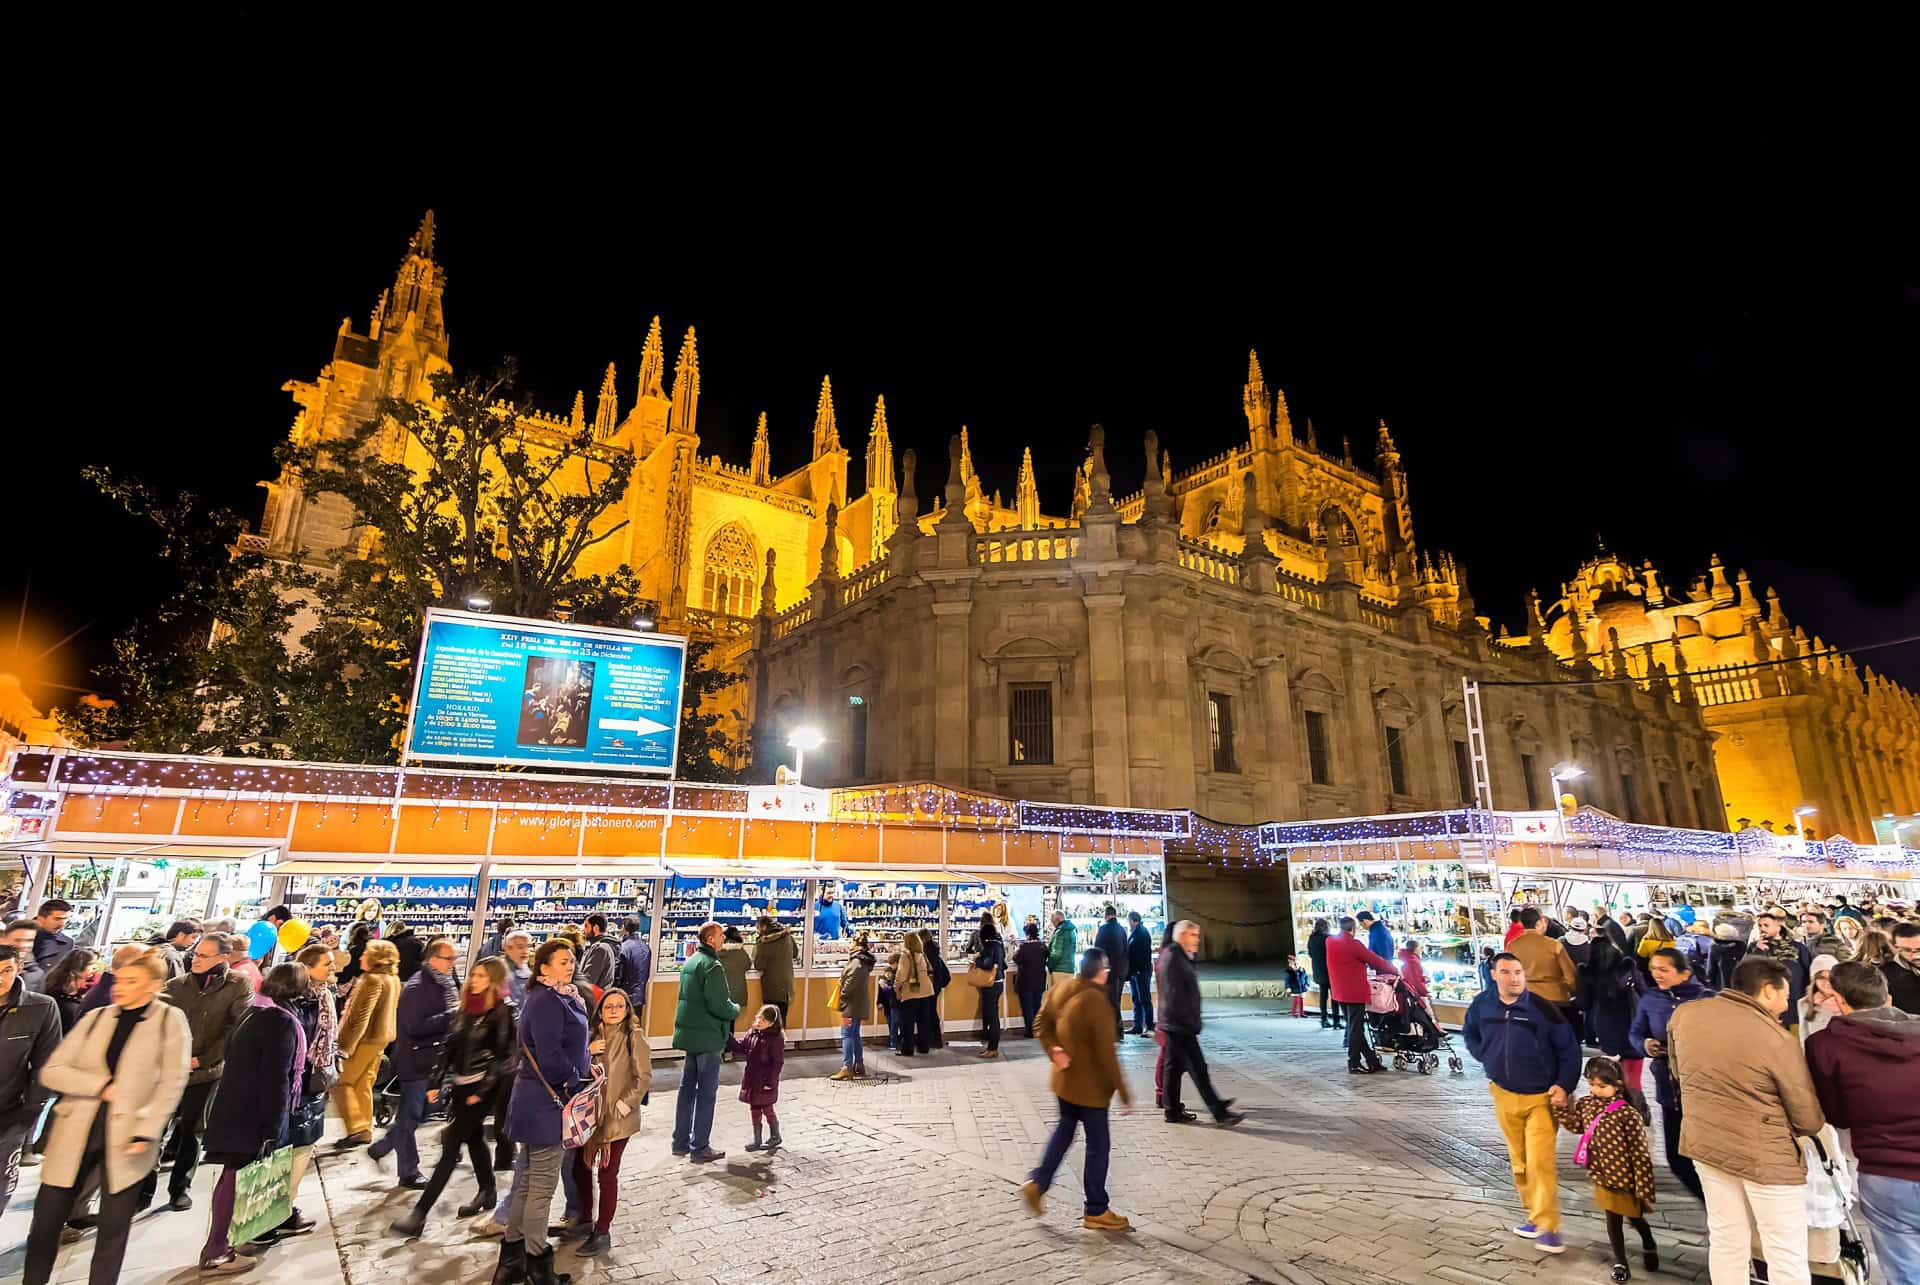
{"x":424,"y":1016}
{"x":1532,"y":1058}
{"x":1379,"y":939}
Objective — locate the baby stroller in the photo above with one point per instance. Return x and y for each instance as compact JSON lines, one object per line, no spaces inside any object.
{"x":1403,"y":1024}
{"x":1836,"y":1253}
{"x":386,"y":1096}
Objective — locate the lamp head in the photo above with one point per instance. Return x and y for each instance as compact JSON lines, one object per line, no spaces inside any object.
{"x":806,"y":738}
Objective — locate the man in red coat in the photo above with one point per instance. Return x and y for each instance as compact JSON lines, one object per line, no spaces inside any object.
{"x":1348,"y":960}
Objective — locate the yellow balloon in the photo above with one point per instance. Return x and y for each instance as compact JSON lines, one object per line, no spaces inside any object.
{"x":294,"y":934}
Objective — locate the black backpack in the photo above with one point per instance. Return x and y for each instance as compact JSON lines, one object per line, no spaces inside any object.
{"x":623,"y":970}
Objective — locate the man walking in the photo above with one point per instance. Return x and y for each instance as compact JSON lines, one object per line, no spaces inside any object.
{"x":496,"y":941}
{"x":1903,"y":970}
{"x":1062,"y":953}
{"x":1532,"y":1059}
{"x":634,"y":967}
{"x":598,"y":957}
{"x":701,"y":1024}
{"x":517,"y":947}
{"x":29,"y":1033}
{"x":50,"y":943}
{"x":1863,"y":1066}
{"x":214,"y":1000}
{"x":1771,"y":940}
{"x":1180,"y":1023}
{"x":1348,"y":960}
{"x":1086,"y":1074}
{"x":1111,"y":941}
{"x":20,"y":935}
{"x":1140,"y":973}
{"x":1551,"y":975}
{"x":1748,"y":1102}
{"x":176,"y":945}
{"x":421,"y":1022}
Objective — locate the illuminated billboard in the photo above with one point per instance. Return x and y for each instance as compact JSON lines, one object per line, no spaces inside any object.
{"x":502,"y":690}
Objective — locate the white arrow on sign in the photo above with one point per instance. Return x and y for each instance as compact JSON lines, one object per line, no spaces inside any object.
{"x":638,"y":726}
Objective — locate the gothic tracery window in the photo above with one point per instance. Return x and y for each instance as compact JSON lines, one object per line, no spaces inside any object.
{"x":730,"y":570}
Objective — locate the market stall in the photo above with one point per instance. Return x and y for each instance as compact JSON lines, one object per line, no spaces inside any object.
{"x":1448,"y":878}
{"x":449,"y":851}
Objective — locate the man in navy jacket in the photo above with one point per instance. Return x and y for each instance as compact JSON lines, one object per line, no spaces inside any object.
{"x":1532,"y":1058}
{"x":421,"y":1023}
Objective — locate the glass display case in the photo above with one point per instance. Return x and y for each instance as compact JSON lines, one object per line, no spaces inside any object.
{"x":432,"y":905}
{"x":1450,"y":906}
{"x":1088,"y":884}
{"x":544,"y":906}
{"x":738,"y":902}
{"x":884,"y":909}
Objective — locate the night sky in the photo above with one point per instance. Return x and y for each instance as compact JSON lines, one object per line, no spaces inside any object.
{"x":1678,"y":341}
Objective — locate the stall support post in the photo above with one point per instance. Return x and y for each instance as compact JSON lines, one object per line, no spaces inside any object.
{"x":477,"y":930}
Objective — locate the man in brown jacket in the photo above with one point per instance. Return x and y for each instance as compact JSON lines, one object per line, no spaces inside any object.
{"x":1073,"y":1027}
{"x":1550,"y":972}
{"x":1748,"y":1100}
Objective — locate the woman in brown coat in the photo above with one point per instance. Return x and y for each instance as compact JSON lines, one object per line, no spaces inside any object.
{"x":366,"y":1028}
{"x":912,"y":992}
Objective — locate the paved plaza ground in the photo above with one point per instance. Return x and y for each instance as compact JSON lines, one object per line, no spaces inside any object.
{"x":913,"y":1176}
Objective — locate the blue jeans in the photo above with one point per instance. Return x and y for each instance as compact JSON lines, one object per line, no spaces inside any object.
{"x":693,"y":1108}
{"x":853,"y":1051}
{"x":399,"y":1135}
{"x":1094,"y":1177}
{"x":1891,"y":1207}
{"x":1140,"y":985}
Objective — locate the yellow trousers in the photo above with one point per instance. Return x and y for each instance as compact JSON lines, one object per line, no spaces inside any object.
{"x":353,"y":1093}
{"x":1526,"y":1120}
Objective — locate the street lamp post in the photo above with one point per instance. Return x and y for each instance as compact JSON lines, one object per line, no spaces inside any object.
{"x":803,"y":739}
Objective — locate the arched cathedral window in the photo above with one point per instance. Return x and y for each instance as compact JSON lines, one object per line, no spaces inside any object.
{"x":730,"y":570}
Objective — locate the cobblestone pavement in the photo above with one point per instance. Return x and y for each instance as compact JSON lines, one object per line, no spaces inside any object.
{"x":912,"y":1177}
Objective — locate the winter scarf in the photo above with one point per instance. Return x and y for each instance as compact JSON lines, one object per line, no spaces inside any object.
{"x":326,"y":1035}
{"x":296,"y":1070}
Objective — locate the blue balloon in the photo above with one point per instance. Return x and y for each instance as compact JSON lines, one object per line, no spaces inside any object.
{"x":261,"y":939}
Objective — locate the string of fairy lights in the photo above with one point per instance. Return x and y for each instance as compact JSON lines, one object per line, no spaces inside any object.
{"x":378,"y":794}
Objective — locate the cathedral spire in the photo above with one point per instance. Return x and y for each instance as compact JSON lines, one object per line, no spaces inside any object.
{"x":686,"y":387}
{"x":1282,"y":421}
{"x":579,"y":417}
{"x":879,"y":452}
{"x":1254,"y":399}
{"x":1026,"y":493}
{"x":760,"y":471}
{"x":826,"y":434}
{"x":421,"y":242}
{"x":606,"y":413}
{"x":653,"y":360}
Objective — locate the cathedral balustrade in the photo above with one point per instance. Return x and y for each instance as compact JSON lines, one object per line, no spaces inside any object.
{"x":1211,"y":562}
{"x":1737,"y":684}
{"x":1296,"y":589}
{"x":717,"y":624}
{"x":864,"y":581}
{"x":1052,"y":545}
{"x":791,"y":619}
{"x":1379,"y":617}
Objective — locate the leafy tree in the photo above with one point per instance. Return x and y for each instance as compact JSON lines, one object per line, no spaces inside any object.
{"x":457,"y":500}
{"x":707,"y":752}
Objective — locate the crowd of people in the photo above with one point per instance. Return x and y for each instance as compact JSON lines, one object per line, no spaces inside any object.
{"x":1760,"y":1028}
{"x":1767,"y":1031}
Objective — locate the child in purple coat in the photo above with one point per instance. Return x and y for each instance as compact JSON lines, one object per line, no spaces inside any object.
{"x":764,"y":1052}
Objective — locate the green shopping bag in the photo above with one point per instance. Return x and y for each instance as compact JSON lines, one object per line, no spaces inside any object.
{"x":262,"y":1196}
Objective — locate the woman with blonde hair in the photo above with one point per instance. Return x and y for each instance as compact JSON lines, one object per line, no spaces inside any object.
{"x":1875,"y":949}
{"x":119,"y":1074}
{"x":366,"y":1028}
{"x":478,"y":1054}
{"x":913,"y":992}
{"x":1851,"y":933}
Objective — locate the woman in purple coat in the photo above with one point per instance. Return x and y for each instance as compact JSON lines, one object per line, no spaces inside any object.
{"x":553,"y":1066}
{"x":764,"y":1050}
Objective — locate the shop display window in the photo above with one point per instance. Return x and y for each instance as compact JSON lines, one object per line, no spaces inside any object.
{"x":1089,"y":884}
{"x":737,"y":902}
{"x":1451,"y":907}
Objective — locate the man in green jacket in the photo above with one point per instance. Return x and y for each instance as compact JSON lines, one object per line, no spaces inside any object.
{"x":1062,"y":955}
{"x":700,"y":1027}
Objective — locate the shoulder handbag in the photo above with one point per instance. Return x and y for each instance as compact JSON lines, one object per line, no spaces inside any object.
{"x":580,"y":1114}
{"x":1580,"y":1156}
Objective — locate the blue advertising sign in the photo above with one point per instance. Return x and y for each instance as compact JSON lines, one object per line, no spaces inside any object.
{"x":498,"y":689}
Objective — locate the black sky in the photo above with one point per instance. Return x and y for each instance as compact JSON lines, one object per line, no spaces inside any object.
{"x":1681,"y":336}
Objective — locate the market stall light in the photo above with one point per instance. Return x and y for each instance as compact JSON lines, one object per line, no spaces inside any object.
{"x":805,"y":737}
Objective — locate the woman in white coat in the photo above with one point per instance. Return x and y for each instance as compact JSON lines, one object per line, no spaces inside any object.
{"x":119,"y":1074}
